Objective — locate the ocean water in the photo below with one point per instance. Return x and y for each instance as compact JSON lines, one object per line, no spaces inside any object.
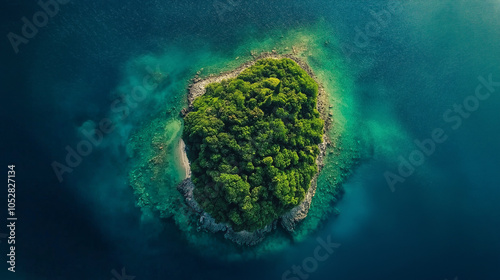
{"x":389,"y":89}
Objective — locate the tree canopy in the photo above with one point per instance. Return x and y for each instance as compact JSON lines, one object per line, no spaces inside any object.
{"x":253,"y":141}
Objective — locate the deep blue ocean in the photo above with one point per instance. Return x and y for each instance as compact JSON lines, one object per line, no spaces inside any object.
{"x":434,"y":66}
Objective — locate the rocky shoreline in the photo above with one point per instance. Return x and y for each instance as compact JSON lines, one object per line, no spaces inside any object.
{"x":290,"y":219}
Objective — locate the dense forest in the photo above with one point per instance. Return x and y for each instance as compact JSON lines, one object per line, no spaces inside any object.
{"x":253,"y":141}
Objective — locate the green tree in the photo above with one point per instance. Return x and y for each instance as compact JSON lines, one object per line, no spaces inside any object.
{"x":252,"y":142}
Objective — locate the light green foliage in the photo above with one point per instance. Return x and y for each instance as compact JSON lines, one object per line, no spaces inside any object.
{"x":253,"y":141}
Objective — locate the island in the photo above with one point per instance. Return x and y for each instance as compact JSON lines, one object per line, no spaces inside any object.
{"x":248,"y":155}
{"x":255,"y":140}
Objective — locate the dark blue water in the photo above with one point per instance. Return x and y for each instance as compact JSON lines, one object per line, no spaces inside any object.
{"x":442,"y":222}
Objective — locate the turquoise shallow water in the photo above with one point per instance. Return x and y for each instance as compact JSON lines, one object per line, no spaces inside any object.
{"x":441,"y":222}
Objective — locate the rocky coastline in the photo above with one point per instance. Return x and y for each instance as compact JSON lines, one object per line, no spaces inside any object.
{"x":290,"y":219}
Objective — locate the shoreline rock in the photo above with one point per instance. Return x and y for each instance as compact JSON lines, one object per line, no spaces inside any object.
{"x":290,"y":219}
{"x":208,"y":223}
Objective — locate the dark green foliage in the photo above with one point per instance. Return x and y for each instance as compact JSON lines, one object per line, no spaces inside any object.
{"x":253,"y":141}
